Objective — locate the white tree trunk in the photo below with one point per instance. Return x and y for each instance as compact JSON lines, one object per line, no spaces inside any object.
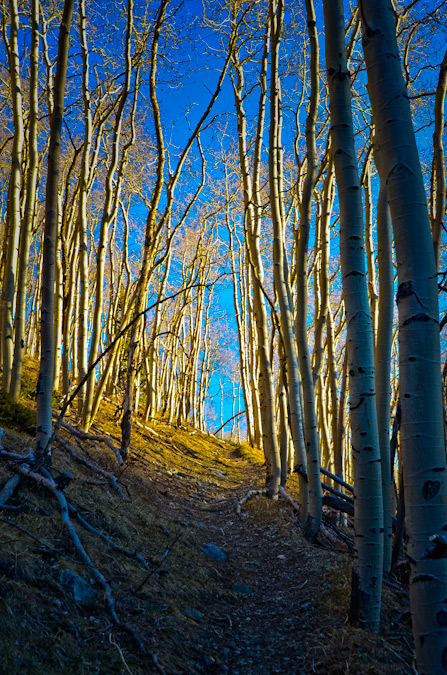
{"x":368,"y":518}
{"x":46,"y":370}
{"x":422,"y":433}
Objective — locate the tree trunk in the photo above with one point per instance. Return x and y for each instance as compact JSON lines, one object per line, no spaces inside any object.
{"x":422,"y":433}
{"x":368,"y":522}
{"x":13,"y":205}
{"x":30,"y":204}
{"x":384,"y":343}
{"x":46,"y":370}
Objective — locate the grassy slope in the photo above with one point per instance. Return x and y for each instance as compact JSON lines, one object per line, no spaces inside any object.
{"x":183,"y":487}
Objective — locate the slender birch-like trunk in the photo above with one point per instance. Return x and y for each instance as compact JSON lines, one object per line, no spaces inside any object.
{"x":384,"y":341}
{"x":370,"y":262}
{"x":30,"y":205}
{"x":252,"y":228}
{"x":422,"y":433}
{"x":13,"y":204}
{"x":110,"y":206}
{"x":368,"y":518}
{"x":309,"y":408}
{"x":46,"y":370}
{"x":438,"y":160}
{"x":82,"y":208}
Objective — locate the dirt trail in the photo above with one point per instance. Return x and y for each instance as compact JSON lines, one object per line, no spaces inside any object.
{"x":222,"y":593}
{"x":276,"y":604}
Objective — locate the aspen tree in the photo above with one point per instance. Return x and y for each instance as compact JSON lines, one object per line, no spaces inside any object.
{"x":438,"y":160}
{"x":30,"y":205}
{"x":370,"y":262}
{"x":368,"y":518}
{"x":82,"y":208}
{"x":383,"y":346}
{"x":422,"y":433}
{"x":46,"y":370}
{"x":110,"y":207}
{"x":14,"y":187}
{"x":310,"y":416}
{"x":252,"y":224}
{"x":155,"y":222}
{"x":240,"y":302}
{"x":152,"y":404}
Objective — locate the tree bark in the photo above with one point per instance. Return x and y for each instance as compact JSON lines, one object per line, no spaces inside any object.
{"x":422,"y":433}
{"x":46,"y":370}
{"x":13,"y":203}
{"x":368,"y":521}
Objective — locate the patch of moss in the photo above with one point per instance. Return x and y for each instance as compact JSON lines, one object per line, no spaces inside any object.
{"x":15,"y":415}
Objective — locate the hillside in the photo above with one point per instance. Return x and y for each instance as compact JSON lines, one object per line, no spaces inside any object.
{"x":276,"y":604}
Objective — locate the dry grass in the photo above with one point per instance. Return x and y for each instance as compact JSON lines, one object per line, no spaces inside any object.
{"x":183,"y":486}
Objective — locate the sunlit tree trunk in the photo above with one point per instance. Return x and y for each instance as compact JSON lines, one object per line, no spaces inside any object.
{"x":82,"y":208}
{"x":13,"y":206}
{"x":252,"y":225}
{"x":110,"y":206}
{"x":46,"y":370}
{"x":368,"y":552}
{"x":370,"y":261}
{"x":152,"y":405}
{"x":240,"y":314}
{"x":30,"y":205}
{"x":422,"y":433}
{"x":309,"y":408}
{"x":438,"y":160}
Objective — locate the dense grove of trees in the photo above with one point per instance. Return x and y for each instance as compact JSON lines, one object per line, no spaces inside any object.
{"x":207,"y":212}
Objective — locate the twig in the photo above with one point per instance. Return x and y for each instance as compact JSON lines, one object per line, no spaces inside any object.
{"x":146,"y":428}
{"x":30,"y":534}
{"x":157,"y":567}
{"x":157,"y":665}
{"x":230,"y":420}
{"x":115,"y":644}
{"x":127,"y":552}
{"x":36,"y":506}
{"x":393,"y":652}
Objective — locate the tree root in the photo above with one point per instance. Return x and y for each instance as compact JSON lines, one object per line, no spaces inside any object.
{"x":248,"y":496}
{"x":288,"y":498}
{"x":8,"y":489}
{"x":95,"y":468}
{"x":146,"y":428}
{"x":124,"y":551}
{"x":84,"y":436}
{"x":46,"y":481}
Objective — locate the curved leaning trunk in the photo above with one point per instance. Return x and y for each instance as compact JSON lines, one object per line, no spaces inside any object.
{"x":368,"y":518}
{"x":422,"y":433}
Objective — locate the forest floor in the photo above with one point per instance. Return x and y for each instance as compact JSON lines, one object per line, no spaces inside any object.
{"x":275,"y":604}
